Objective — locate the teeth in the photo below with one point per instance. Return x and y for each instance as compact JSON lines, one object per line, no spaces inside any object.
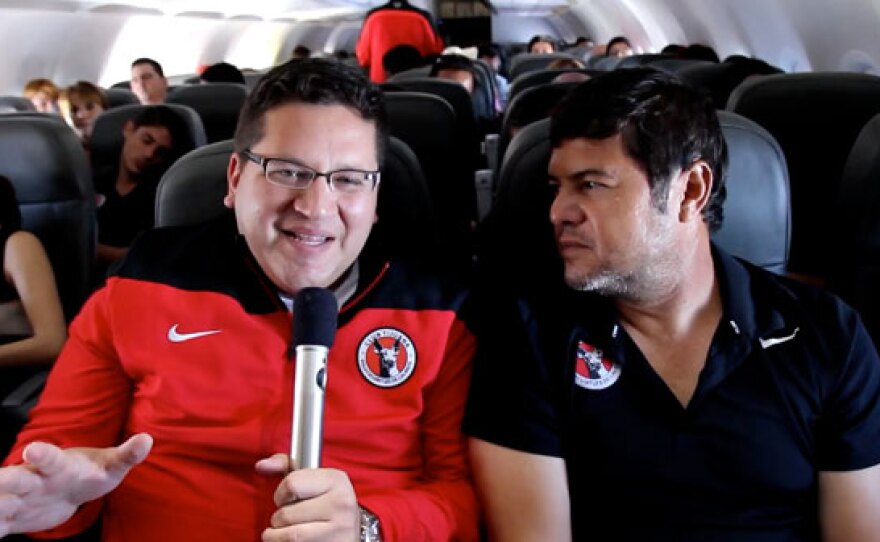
{"x":310,"y":239}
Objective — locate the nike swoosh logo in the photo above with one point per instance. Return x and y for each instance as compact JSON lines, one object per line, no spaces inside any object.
{"x":767,"y":343}
{"x":176,"y":337}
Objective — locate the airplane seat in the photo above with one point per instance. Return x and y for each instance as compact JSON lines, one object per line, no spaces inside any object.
{"x":756,"y":223}
{"x":815,"y":117}
{"x":192,"y":191}
{"x":856,"y":229}
{"x":676,"y":65}
{"x":484,"y":97}
{"x":603,"y":63}
{"x":44,"y":160}
{"x":107,"y":132}
{"x":413,"y":73}
{"x":218,"y":104}
{"x":251,"y":79}
{"x":637,"y":61}
{"x":540,"y":77}
{"x":465,"y":105}
{"x":13,"y":104}
{"x":720,"y":78}
{"x":516,"y":249}
{"x":528,"y":62}
{"x":429,"y":126}
{"x":529,"y":106}
{"x":756,"y":212}
{"x":117,"y":96}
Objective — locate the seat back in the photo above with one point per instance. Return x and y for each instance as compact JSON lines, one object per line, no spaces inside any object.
{"x":192,"y":191}
{"x":816,"y":118}
{"x":856,"y":228}
{"x":428,"y":125}
{"x":529,"y":62}
{"x":45,"y":162}
{"x":106,"y":143}
{"x":12,"y":104}
{"x":117,"y":96}
{"x":540,"y":77}
{"x":756,"y":222}
{"x":218,"y":105}
{"x":720,"y":78}
{"x":530,"y":105}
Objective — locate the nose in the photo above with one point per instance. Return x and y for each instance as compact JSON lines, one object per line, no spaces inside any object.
{"x":316,"y":200}
{"x":563,"y":210}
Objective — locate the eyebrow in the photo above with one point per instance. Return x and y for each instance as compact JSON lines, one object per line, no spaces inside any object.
{"x":592,"y":172}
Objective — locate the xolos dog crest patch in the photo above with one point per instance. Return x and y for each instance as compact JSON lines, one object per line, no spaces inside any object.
{"x":386,"y":357}
{"x":592,"y":370}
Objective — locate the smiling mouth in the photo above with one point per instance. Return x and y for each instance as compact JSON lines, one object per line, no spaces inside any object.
{"x":309,"y":239}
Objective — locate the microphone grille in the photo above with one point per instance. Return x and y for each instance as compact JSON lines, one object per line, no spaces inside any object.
{"x":314,"y":317}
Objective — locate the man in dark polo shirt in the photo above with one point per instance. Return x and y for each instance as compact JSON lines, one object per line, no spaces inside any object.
{"x":672,"y":392}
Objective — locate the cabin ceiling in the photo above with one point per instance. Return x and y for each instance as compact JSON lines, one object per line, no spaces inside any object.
{"x":262,"y":9}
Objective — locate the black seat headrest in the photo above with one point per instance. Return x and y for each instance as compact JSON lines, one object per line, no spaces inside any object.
{"x":815,"y":117}
{"x":45,"y":162}
{"x":218,"y":105}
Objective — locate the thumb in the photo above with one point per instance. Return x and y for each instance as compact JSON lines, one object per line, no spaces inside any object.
{"x":277,"y":464}
{"x":129,"y":453}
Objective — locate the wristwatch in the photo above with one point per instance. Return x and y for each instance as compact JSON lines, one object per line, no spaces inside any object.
{"x":369,"y":526}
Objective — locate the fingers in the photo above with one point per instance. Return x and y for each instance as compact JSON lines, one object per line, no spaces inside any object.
{"x":318,"y":494}
{"x":312,"y":532}
{"x":18,"y":480}
{"x":47,"y":458}
{"x":277,"y":464}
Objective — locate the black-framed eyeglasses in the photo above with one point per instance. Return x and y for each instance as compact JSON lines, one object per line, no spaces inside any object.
{"x":299,"y":177}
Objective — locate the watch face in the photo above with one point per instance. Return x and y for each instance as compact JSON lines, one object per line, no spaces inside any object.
{"x":369,"y":527}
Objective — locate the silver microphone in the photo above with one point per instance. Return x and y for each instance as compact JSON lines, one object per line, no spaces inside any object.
{"x":314,"y":328}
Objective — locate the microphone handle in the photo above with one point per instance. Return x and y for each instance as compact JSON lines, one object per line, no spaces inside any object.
{"x":308,"y":405}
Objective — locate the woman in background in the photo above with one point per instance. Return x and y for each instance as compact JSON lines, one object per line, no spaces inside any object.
{"x":80,"y":104}
{"x":32,"y":327}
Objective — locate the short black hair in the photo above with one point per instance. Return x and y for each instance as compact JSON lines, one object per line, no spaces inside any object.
{"x":312,"y":81}
{"x":614,"y":41}
{"x":454,"y":62}
{"x":665,"y":125}
{"x":222,"y":72}
{"x":144,"y":60}
{"x":401,"y":58}
{"x":535,"y":39}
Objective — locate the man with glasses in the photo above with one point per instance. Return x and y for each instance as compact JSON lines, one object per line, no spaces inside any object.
{"x":183,"y":358}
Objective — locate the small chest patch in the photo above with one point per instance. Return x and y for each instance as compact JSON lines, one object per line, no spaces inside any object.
{"x":386,"y":357}
{"x":592,"y":370}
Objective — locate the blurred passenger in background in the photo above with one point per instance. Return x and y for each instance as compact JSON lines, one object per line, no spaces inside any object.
{"x":152,"y":142}
{"x":541,"y":44}
{"x":43,"y":94}
{"x":222,"y":72}
{"x":148,"y":81}
{"x":80,"y":105}
{"x":619,"y":46}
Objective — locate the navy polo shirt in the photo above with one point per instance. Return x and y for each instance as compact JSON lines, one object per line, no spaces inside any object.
{"x":791,"y":387}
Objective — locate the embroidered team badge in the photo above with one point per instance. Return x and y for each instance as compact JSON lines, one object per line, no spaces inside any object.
{"x":592,"y":370}
{"x":386,"y":357}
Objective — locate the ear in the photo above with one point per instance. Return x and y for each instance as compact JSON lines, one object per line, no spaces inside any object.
{"x":128,"y":128}
{"x":233,"y":176}
{"x":697,"y":182}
